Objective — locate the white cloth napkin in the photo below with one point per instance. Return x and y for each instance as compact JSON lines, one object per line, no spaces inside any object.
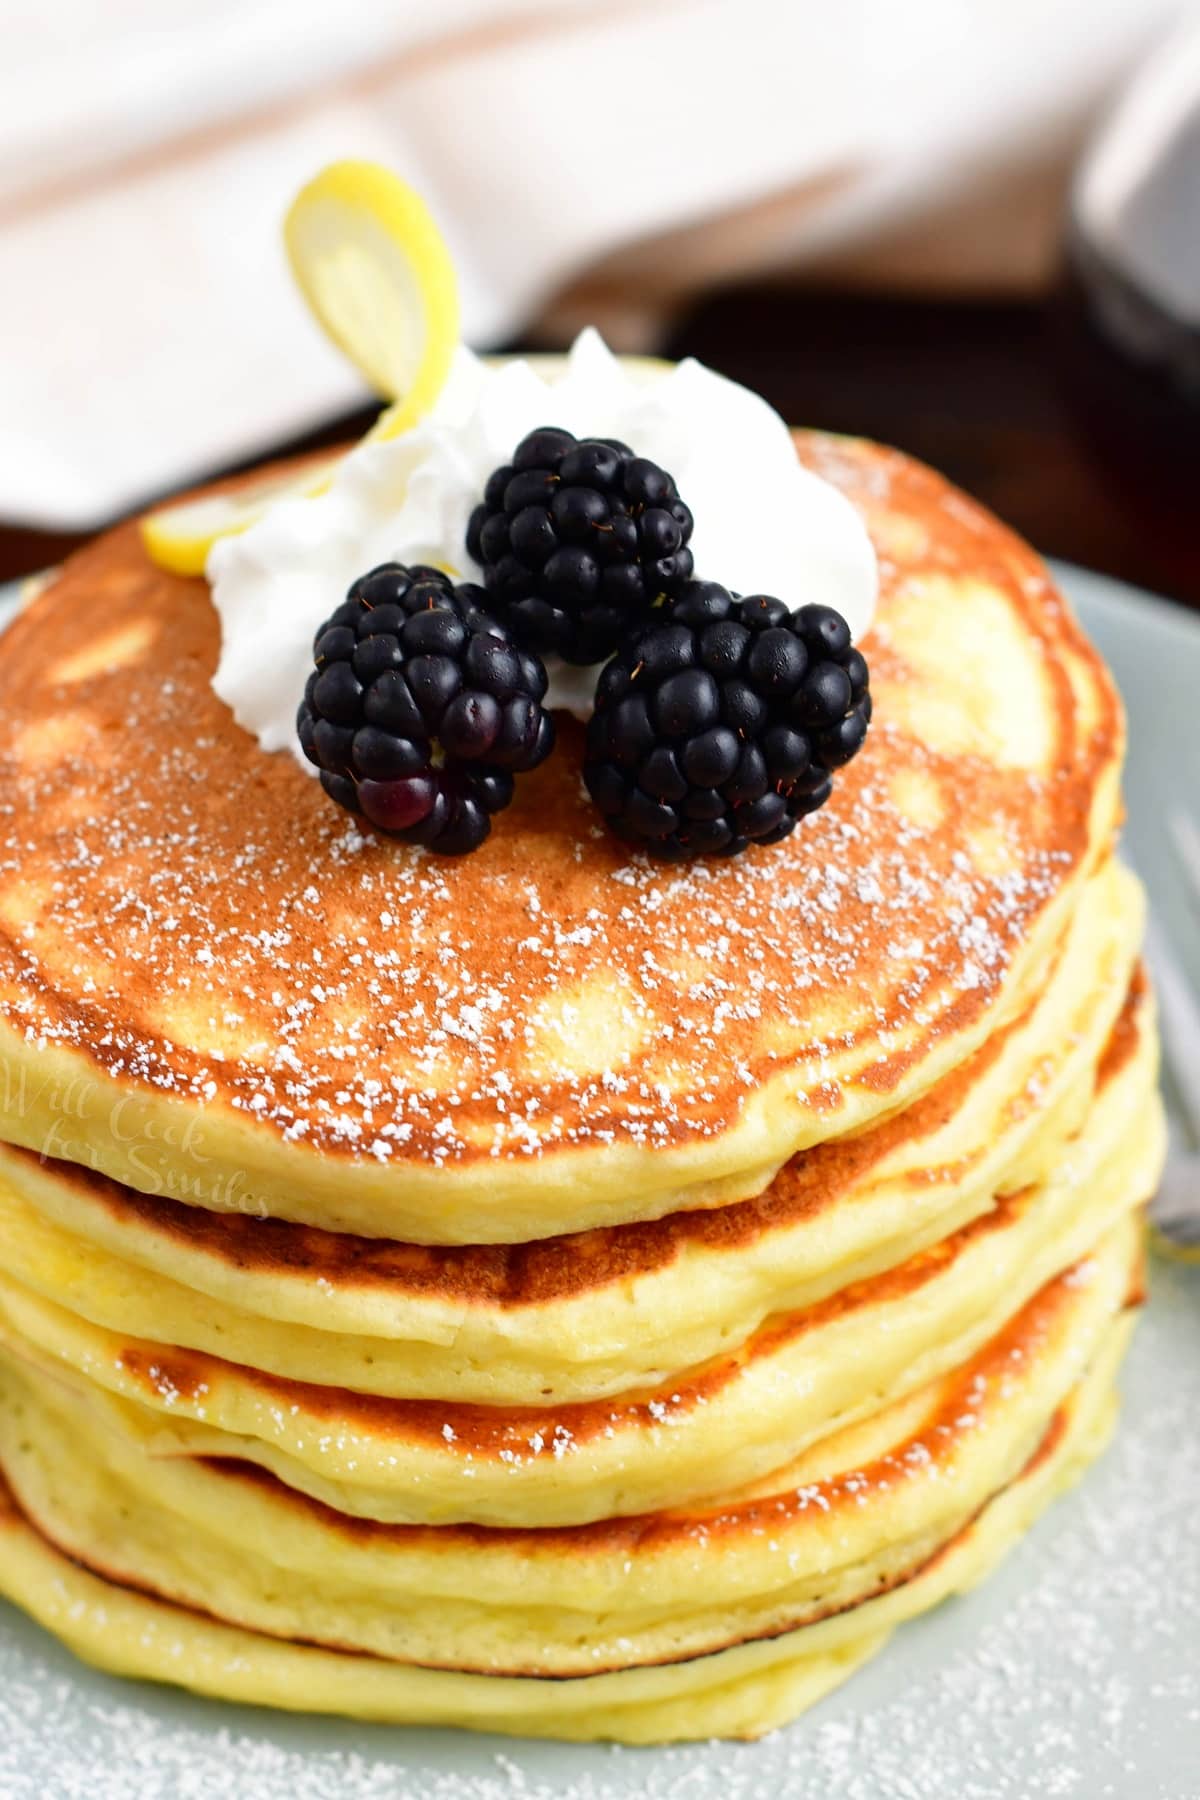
{"x":619,"y":153}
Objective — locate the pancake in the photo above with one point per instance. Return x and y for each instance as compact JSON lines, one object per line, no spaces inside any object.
{"x":806,"y":1593}
{"x":584,"y":1318}
{"x":547,"y":1292}
{"x":214,"y":987}
{"x":724,"y":1423}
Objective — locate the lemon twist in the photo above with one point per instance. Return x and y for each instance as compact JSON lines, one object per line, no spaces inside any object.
{"x":378,"y":277}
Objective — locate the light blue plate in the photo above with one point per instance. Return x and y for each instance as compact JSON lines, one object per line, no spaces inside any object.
{"x":1074,"y":1672}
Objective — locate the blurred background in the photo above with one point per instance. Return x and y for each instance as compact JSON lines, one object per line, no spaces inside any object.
{"x":968,"y":227}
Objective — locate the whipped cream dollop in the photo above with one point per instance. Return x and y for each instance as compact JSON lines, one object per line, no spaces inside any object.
{"x":763,"y":523}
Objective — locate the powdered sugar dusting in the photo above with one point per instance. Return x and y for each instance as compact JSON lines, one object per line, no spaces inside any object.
{"x":353,"y":995}
{"x":414,"y":1026}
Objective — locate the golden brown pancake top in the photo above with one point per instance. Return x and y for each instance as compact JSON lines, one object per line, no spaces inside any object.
{"x":195,"y":916}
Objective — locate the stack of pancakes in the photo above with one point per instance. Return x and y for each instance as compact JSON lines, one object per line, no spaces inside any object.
{"x":546,"y":1291}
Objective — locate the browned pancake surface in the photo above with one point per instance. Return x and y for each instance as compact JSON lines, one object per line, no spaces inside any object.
{"x":195,"y":916}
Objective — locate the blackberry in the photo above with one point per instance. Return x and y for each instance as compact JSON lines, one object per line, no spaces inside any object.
{"x":577,"y":538}
{"x":721,"y":723}
{"x":420,"y":708}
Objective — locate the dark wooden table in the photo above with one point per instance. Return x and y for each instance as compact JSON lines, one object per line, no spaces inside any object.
{"x":975,"y":389}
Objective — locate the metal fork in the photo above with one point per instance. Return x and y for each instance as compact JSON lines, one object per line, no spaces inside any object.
{"x":1176,"y":1210}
